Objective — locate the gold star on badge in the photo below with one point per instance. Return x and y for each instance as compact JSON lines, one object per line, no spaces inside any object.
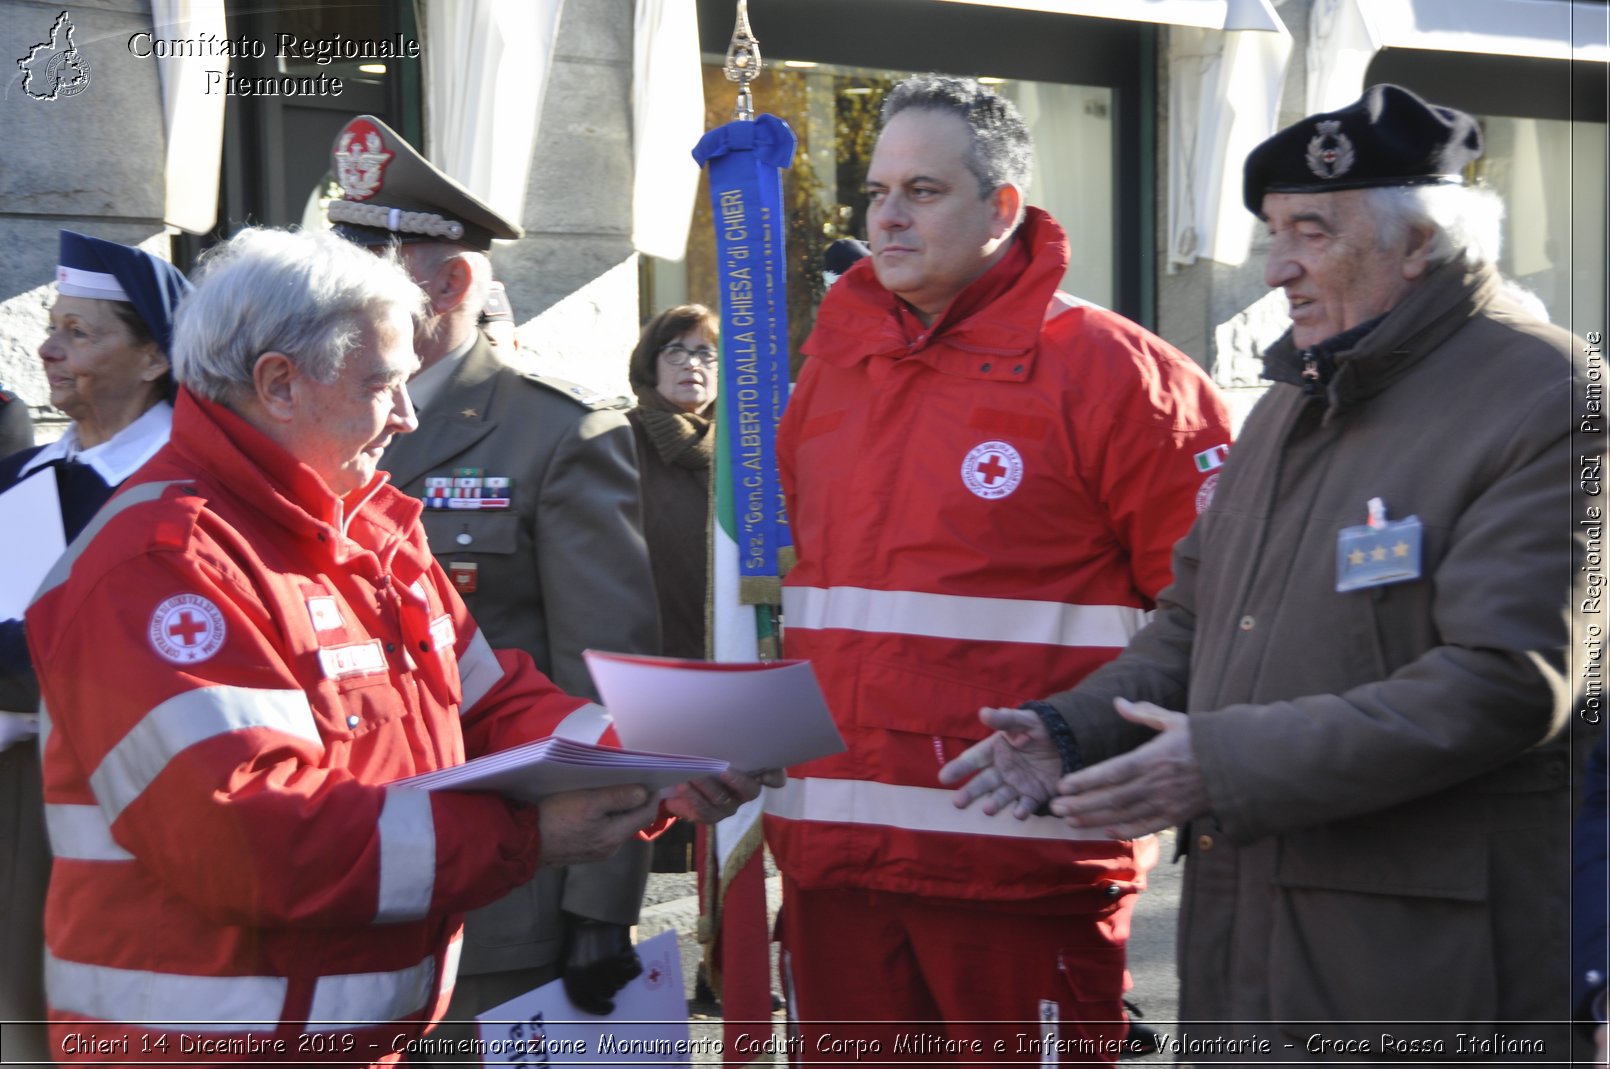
{"x":1401,"y":549}
{"x":1378,"y":553}
{"x":1356,"y":557}
{"x":469,"y":413}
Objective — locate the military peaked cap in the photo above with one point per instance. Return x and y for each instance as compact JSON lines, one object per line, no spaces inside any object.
{"x":1388,"y":137}
{"x":389,"y":192}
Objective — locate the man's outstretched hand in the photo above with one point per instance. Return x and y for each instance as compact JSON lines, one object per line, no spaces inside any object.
{"x":1016,"y":768}
{"x":1154,"y":786}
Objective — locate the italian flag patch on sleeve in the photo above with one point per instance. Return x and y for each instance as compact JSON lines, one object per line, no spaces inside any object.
{"x":1211,"y":459}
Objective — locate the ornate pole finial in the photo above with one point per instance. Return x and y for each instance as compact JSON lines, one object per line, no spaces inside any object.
{"x":743,"y":61}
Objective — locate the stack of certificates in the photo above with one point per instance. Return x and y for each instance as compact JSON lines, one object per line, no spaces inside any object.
{"x":531,"y":772}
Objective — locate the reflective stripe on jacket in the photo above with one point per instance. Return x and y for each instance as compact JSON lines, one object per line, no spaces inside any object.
{"x":234,"y":664}
{"x":983,"y":512}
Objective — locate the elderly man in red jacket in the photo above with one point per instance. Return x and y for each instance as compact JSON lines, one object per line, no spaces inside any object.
{"x":985,"y":478}
{"x":239,"y":658}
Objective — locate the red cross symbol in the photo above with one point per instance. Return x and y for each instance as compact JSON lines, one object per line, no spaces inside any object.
{"x":187,"y":628}
{"x":654,"y":975}
{"x":992,"y":470}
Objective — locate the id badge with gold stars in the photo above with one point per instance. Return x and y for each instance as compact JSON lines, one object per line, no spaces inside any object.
{"x":1381,"y":552}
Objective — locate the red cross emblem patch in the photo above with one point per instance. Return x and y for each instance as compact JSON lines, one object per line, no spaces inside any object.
{"x":992,"y":470}
{"x":187,"y":628}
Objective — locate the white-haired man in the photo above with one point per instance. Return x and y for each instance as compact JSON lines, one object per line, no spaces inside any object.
{"x":238,"y":655}
{"x":1368,"y":633}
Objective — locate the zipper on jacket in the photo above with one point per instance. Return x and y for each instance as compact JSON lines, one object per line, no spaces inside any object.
{"x":1311,"y":379}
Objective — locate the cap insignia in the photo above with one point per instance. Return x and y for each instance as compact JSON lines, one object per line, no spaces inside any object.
{"x":1330,"y":152}
{"x":360,"y":161}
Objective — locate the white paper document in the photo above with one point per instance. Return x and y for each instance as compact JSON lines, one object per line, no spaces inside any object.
{"x":649,"y":1026}
{"x":30,"y":516}
{"x":531,"y":772}
{"x":753,"y":714}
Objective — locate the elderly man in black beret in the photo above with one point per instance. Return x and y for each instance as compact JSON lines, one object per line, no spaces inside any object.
{"x":1368,"y":633}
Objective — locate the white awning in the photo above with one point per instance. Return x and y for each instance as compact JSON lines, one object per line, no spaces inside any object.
{"x":1344,"y":36}
{"x":1206,"y":14}
{"x":667,"y":121}
{"x":192,"y":116}
{"x":486,"y":72}
{"x":1223,"y":99}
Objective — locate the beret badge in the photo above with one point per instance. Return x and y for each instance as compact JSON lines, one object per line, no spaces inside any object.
{"x":1330,"y":152}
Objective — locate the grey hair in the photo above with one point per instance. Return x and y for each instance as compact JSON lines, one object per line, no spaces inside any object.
{"x":1002,"y":150}
{"x":1466,"y":222}
{"x":300,"y":293}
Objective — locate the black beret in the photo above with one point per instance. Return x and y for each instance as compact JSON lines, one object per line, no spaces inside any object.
{"x":1388,"y":137}
{"x":389,"y":192}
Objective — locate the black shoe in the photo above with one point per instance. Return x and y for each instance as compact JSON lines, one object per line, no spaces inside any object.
{"x":704,"y":999}
{"x":1142,"y":1039}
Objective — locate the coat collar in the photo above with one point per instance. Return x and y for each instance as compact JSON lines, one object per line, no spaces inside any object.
{"x":1449,"y":298}
{"x":266,"y":478}
{"x":998,"y":316}
{"x":115,"y":459}
{"x":427,"y":385}
{"x":459,"y":416}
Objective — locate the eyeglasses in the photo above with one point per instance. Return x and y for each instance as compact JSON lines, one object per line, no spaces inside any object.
{"x":678,"y":355}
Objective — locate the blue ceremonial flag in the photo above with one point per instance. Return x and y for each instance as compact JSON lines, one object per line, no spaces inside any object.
{"x":745,"y":159}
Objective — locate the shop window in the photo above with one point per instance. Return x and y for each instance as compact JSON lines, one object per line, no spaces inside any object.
{"x":277,"y":148}
{"x":1551,"y":173}
{"x":1544,"y":125}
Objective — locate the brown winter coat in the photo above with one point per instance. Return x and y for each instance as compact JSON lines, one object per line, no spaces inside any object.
{"x":1387,"y":767}
{"x":673,"y":457}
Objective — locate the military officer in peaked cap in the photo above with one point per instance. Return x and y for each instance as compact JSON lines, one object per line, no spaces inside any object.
{"x":531,"y":505}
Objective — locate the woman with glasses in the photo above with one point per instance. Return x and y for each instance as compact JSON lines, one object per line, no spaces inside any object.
{"x":673,"y":374}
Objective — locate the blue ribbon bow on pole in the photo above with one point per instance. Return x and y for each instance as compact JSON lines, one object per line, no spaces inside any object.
{"x":745,"y":159}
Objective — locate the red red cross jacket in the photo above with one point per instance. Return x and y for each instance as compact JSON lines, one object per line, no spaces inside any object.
{"x":234,"y":662}
{"x":983,"y":513}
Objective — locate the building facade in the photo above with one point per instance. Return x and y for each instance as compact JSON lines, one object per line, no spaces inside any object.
{"x":1142,"y":110}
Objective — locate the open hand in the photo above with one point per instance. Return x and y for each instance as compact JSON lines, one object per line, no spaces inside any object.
{"x":1155,"y":786}
{"x":1016,"y":768}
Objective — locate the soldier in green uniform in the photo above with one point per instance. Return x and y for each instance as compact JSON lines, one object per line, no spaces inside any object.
{"x":532,"y":507}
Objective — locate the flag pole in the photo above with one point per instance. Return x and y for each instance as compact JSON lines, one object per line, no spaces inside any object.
{"x":750,"y":544}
